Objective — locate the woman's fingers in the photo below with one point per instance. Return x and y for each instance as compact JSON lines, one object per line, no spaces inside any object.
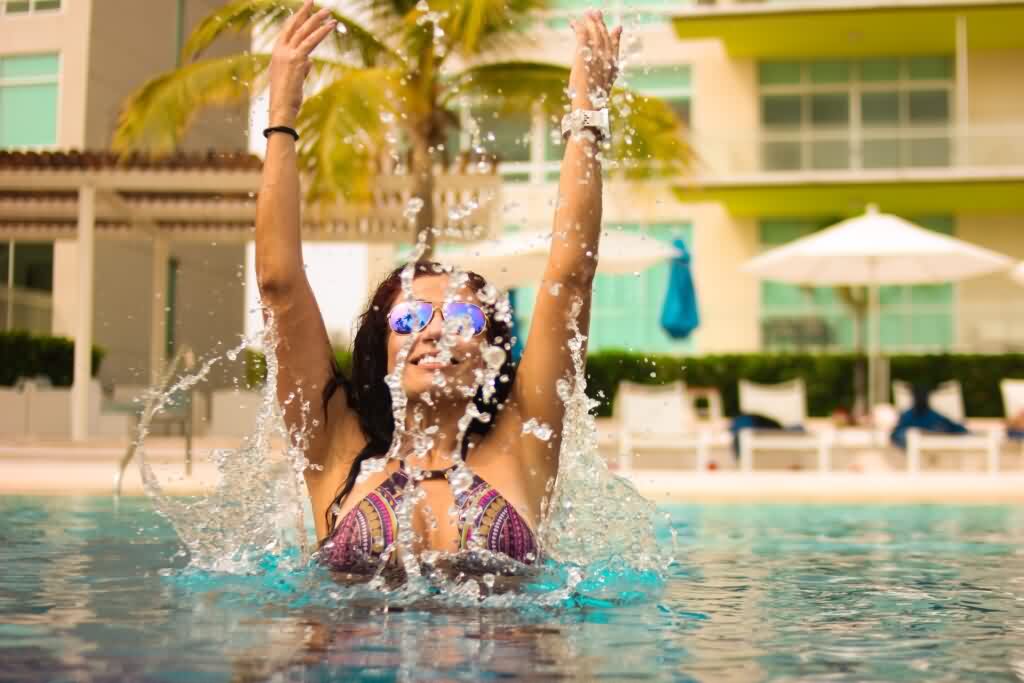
{"x":314,"y":38}
{"x":296,"y":20}
{"x":311,"y":24}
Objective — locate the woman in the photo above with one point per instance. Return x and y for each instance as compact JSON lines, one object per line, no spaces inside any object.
{"x":351,"y":422}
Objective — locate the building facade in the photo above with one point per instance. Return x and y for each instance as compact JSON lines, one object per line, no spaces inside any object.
{"x":66,"y":66}
{"x":801,"y":114}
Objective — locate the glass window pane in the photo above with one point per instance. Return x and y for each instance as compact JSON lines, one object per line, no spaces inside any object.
{"x":553,"y":143}
{"x":24,"y":66}
{"x":28,"y":115}
{"x":877,"y":70}
{"x":830,"y":72}
{"x":17,"y":6}
{"x":781,"y":156}
{"x":930,"y":152}
{"x":880,"y":108}
{"x":931,"y":295}
{"x":933,"y":330}
{"x":650,"y":79}
{"x":881,"y":153}
{"x":779,"y":73}
{"x":780,"y":110}
{"x":830,"y":109}
{"x":5,"y":255}
{"x":830,"y":154}
{"x":44,"y":5}
{"x":930,"y":68}
{"x":505,"y":134}
{"x":33,"y":266}
{"x":929,"y":106}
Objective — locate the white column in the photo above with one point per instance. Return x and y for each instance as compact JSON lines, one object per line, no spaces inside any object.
{"x":83,"y":329}
{"x":962,"y":147}
{"x":158,"y":314}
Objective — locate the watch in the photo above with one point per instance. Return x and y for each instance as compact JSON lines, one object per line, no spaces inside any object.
{"x":587,"y":119}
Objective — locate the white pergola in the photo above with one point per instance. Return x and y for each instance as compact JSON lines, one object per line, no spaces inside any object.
{"x":210,"y":197}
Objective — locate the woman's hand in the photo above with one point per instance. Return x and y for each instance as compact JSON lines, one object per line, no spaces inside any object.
{"x":596,"y":63}
{"x":289,"y":62}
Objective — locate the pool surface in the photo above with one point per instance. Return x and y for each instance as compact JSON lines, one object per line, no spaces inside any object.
{"x":762,"y":592}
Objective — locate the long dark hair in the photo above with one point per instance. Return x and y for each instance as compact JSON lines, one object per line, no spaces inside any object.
{"x":369,"y":397}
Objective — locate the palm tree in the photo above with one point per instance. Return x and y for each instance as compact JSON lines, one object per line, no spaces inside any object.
{"x":402,"y":72}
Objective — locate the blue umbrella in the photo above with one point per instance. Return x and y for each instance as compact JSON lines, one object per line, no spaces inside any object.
{"x":680,"y":315}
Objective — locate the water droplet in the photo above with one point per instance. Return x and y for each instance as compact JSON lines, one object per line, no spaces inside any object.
{"x":413,"y":207}
{"x":540,"y":430}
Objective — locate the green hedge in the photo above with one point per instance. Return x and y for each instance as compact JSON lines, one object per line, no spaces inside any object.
{"x":256,"y":365}
{"x":829,"y":377}
{"x":28,"y":355}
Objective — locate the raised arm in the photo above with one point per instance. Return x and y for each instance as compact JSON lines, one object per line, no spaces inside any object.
{"x":572,"y":262}
{"x":304,"y":355}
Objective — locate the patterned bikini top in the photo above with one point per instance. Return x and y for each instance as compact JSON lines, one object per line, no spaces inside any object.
{"x":488,"y":522}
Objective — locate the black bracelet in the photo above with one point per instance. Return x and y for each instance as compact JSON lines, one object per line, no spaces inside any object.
{"x":281,"y":129}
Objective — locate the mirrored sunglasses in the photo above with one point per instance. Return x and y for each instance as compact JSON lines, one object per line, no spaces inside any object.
{"x":412,"y":316}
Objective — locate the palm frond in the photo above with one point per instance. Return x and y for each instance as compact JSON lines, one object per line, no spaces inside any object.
{"x":155,"y":117}
{"x":343,"y":131}
{"x":512,"y":86}
{"x":244,"y":16}
{"x":470,"y":24}
{"x":648,"y":138}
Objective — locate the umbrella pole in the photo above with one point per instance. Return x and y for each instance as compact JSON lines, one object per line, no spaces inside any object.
{"x":874,"y":343}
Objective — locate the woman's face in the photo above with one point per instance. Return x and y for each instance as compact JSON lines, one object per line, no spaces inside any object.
{"x":422,"y":364}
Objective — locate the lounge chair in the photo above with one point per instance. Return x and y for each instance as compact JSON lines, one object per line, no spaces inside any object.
{"x":660,"y":417}
{"x":946,"y":399}
{"x":785,"y":403}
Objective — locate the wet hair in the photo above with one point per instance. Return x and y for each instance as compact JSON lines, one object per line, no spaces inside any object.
{"x":370,"y":398}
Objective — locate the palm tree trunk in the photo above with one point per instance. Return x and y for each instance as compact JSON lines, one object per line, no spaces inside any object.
{"x":422,"y":168}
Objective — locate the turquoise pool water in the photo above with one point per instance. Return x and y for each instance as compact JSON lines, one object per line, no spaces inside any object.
{"x":767,"y":592}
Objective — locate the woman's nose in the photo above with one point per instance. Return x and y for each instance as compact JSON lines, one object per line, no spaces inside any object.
{"x":435,"y":327}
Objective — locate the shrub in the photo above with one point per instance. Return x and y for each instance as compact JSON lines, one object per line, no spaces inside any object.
{"x":28,"y":355}
{"x":256,"y":365}
{"x":829,"y":377}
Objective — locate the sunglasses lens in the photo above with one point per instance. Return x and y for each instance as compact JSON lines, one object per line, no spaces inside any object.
{"x":471,"y":314}
{"x":406,"y":318}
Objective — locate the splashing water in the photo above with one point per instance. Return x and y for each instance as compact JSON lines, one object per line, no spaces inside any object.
{"x":256,"y":507}
{"x":597,"y":532}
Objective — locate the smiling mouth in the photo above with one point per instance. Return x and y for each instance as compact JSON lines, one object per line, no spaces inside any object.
{"x":432,"y":362}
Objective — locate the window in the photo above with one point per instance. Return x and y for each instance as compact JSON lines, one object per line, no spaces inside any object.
{"x":28,"y":100}
{"x":913,"y":318}
{"x":626,"y":309}
{"x":842,"y":114}
{"x":29,"y":305}
{"x":27,"y":6}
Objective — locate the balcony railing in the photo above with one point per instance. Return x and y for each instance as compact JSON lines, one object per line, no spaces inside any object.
{"x":726,"y":155}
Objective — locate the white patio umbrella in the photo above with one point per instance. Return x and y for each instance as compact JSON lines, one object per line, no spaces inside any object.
{"x":1018,"y":274}
{"x":872,"y":250}
{"x":519,"y":259}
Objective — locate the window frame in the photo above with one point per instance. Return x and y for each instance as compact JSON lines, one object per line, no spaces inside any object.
{"x":806,"y":135}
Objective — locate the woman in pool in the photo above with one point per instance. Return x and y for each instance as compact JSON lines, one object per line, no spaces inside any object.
{"x":352,"y":419}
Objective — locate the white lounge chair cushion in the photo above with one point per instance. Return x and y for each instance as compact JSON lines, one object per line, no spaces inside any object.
{"x":946,"y":399}
{"x":645,"y":409}
{"x":786,"y":402}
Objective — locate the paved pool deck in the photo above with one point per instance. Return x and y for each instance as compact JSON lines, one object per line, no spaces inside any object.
{"x":40,"y":467}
